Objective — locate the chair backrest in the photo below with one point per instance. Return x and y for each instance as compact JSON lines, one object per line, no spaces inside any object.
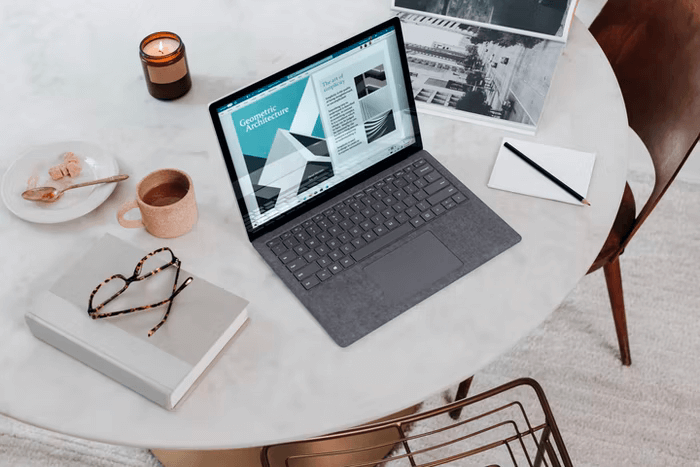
{"x":508,"y":425}
{"x":654,"y":49}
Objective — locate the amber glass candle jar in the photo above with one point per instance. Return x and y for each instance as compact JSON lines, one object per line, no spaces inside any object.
{"x":165,"y":65}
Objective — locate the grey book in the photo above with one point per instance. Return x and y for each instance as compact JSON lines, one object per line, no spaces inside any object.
{"x":163,"y":367}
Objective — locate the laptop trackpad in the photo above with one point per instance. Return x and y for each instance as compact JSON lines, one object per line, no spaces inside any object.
{"x":413,"y":267}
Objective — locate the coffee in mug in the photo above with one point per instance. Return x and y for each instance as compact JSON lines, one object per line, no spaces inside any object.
{"x":167,"y":204}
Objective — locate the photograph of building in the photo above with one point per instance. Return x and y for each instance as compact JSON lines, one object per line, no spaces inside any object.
{"x":538,"y":16}
{"x":479,"y":71}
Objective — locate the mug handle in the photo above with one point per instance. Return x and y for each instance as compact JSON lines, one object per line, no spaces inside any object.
{"x":126,"y":207}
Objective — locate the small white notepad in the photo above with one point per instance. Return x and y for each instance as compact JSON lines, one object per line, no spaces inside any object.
{"x":511,"y":173}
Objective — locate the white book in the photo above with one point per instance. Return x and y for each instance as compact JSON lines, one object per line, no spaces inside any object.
{"x":511,"y":173}
{"x":163,"y":367}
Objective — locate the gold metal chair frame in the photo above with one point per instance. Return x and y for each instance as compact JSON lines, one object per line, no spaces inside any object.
{"x":503,"y":426}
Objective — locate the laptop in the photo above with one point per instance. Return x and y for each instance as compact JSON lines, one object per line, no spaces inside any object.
{"x":338,"y":195}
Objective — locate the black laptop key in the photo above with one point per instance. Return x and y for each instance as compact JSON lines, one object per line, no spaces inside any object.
{"x":287,"y":256}
{"x":423,"y":206}
{"x":274,"y":242}
{"x":313,"y":230}
{"x":389,"y":200}
{"x":387,"y":213}
{"x":391,"y":224}
{"x":318,"y":218}
{"x":297,"y":229}
{"x":324,"y":274}
{"x":302,"y":236}
{"x":419,"y":163}
{"x":416,"y":221}
{"x":347,"y":248}
{"x":346,"y":224}
{"x":290,"y":242}
{"x":420,"y":195}
{"x":400,"y":194}
{"x":389,"y":189}
{"x":310,"y":282}
{"x":439,"y":209}
{"x":423,"y":170}
{"x":347,"y":262}
{"x":383,"y":240}
{"x":324,"y":236}
{"x":366,"y":225}
{"x":357,"y":218}
{"x":306,"y":271}
{"x":335,"y":255}
{"x":412,"y":211}
{"x":358,"y":242}
{"x":442,"y":195}
{"x":401,"y":218}
{"x":432,"y":176}
{"x":344,"y":237}
{"x":286,"y":235}
{"x":300,"y":249}
{"x":279,"y":248}
{"x":398,"y":207}
{"x":378,"y":206}
{"x":335,"y":231}
{"x":333,"y":244}
{"x":296,"y":264}
{"x":324,"y":261}
{"x":436,"y":186}
{"x":449,"y":203}
{"x":335,"y":218}
{"x":322,"y":250}
{"x":380,"y":230}
{"x":310,"y":256}
{"x":335,"y":268}
{"x":312,"y":243}
{"x":308,"y":223}
{"x":409,"y":201}
{"x":459,"y":197}
{"x":377,"y":219}
{"x":369,"y":236}
{"x":428,"y":216}
{"x":420,"y":183}
{"x":410,"y":189}
{"x":355,"y":231}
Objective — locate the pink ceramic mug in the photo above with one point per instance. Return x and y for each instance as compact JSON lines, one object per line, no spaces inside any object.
{"x":166,"y":201}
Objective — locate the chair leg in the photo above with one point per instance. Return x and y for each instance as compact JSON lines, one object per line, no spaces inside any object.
{"x":613,"y":278}
{"x":462,"y":391}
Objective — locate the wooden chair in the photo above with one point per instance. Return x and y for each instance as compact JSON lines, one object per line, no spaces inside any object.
{"x":654,"y":49}
{"x":508,"y":425}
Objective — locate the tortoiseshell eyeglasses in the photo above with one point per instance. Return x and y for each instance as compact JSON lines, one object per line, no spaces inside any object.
{"x":94,"y":312}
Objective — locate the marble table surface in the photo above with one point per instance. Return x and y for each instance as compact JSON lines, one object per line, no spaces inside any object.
{"x":71,"y":71}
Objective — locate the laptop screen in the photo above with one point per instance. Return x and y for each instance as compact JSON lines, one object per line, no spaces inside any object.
{"x":298,"y":136}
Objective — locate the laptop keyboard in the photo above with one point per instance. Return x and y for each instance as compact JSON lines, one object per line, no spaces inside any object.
{"x":331,"y":242}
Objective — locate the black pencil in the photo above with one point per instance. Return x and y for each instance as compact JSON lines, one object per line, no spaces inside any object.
{"x":541,"y":170}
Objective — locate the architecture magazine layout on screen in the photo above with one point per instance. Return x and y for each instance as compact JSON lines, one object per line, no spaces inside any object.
{"x":313,"y":130}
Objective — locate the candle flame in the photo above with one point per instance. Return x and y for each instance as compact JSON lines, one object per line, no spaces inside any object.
{"x":160,"y":47}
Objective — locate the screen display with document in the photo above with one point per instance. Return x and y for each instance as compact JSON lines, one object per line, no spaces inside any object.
{"x":310,"y":130}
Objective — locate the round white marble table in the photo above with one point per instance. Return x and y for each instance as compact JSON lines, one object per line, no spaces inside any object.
{"x":70,"y":71}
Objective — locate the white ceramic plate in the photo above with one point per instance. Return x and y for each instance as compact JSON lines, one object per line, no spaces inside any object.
{"x":74,"y":203}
